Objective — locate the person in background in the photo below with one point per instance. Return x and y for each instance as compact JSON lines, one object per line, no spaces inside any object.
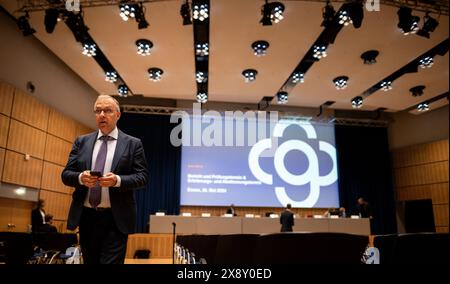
{"x":342,"y":213}
{"x":364,"y":209}
{"x":48,"y":227}
{"x":105,"y":167}
{"x":38,"y":216}
{"x":287,"y":219}
{"x":231,"y":210}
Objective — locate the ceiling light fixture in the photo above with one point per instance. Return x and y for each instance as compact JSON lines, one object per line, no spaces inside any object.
{"x":357,"y":102}
{"x":319,"y":51}
{"x":202,"y":49}
{"x":423,"y":107}
{"x":24,"y":25}
{"x":260,"y":47}
{"x":417,"y":91}
{"x":272,"y":13}
{"x":185,"y":12}
{"x":111,"y":76}
{"x":89,"y":49}
{"x":201,"y":77}
{"x":298,"y":77}
{"x":344,"y":18}
{"x":143,"y":47}
{"x":370,"y":56}
{"x":426,"y":62}
{"x":340,"y":82}
{"x":155,"y":74}
{"x":282,"y":97}
{"x":386,"y":86}
{"x":127,"y":11}
{"x":407,"y":22}
{"x":202,"y":97}
{"x":122,"y":90}
{"x":200,"y":12}
{"x":249,"y":75}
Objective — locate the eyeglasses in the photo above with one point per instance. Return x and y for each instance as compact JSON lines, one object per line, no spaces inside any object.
{"x":106,"y":111}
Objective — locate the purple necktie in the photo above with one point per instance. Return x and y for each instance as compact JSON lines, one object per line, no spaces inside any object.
{"x":95,"y":194}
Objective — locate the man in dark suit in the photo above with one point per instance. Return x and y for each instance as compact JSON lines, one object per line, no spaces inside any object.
{"x":105,"y":167}
{"x":38,"y":216}
{"x":287,"y":219}
{"x":231,"y":210}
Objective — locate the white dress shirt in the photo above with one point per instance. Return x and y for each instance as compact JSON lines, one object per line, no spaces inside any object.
{"x":105,"y":202}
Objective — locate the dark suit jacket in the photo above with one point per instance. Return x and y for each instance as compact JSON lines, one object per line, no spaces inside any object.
{"x":231,"y":211}
{"x":287,"y":221}
{"x":47,"y":228}
{"x":128,"y":162}
{"x":36,"y":220}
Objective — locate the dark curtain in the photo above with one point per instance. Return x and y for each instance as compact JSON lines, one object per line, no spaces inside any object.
{"x":365,"y":171}
{"x":162,"y":193}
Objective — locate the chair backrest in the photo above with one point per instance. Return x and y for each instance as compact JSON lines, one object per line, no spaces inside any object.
{"x":17,"y":247}
{"x":235,"y":249}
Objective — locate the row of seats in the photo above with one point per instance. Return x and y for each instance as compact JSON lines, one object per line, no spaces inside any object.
{"x":281,"y":248}
{"x":413,"y":248}
{"x":21,"y":248}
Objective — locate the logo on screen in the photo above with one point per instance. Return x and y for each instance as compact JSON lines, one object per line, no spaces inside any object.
{"x":311,"y":175}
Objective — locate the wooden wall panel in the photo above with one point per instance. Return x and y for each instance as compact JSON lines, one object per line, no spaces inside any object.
{"x":6,"y":98}
{"x":29,"y":110}
{"x":51,"y":179}
{"x":2,"y":161}
{"x":61,"y":126}
{"x":422,"y":174}
{"x":19,"y":171}
{"x":57,"y":150}
{"x":439,"y":193}
{"x":22,"y":215}
{"x":441,"y":214}
{"x":442,"y":229}
{"x":414,"y":192}
{"x":82,"y":129}
{"x":4,"y":127}
{"x":6,"y":209}
{"x":160,"y":245}
{"x":56,"y":203}
{"x":60,"y":225}
{"x":26,"y":139}
{"x":421,"y":154}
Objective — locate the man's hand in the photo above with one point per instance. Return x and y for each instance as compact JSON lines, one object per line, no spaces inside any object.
{"x":108,"y":180}
{"x":88,"y":180}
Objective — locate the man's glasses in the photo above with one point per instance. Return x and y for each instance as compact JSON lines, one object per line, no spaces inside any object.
{"x":105,"y":111}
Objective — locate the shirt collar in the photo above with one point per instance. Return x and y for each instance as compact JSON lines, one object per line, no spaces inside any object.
{"x":114,"y":133}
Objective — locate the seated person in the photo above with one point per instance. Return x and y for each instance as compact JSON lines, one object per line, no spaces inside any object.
{"x":231,"y":210}
{"x":48,"y":227}
{"x":342,"y":213}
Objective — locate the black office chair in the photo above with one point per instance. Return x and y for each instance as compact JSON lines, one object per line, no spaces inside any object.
{"x":15,"y":248}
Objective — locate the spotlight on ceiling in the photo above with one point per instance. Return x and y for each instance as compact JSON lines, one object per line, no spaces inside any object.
{"x":282,"y":97}
{"x":340,"y":82}
{"x":271,"y":13}
{"x":185,"y":12}
{"x":344,"y":18}
{"x":155,"y":74}
{"x":319,"y":51}
{"x":370,"y":56}
{"x":127,"y":11}
{"x":201,"y":77}
{"x":111,"y":76}
{"x":89,"y":49}
{"x":423,"y":107}
{"x":200,"y":12}
{"x":298,"y":77}
{"x":51,"y":19}
{"x":122,"y":90}
{"x":249,"y":75}
{"x":143,"y":47}
{"x":429,"y":25}
{"x":357,"y":102}
{"x":417,"y":91}
{"x":202,"y":97}
{"x":328,"y":15}
{"x":260,"y":47}
{"x":24,"y":25}
{"x":406,"y":21}
{"x":426,"y":62}
{"x":202,"y":49}
{"x":386,"y":86}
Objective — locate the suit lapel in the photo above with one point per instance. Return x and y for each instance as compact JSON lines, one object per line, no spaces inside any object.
{"x":91,"y":142}
{"x":120,"y":148}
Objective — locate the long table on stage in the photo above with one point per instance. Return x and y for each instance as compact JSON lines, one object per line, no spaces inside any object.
{"x":264,"y":225}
